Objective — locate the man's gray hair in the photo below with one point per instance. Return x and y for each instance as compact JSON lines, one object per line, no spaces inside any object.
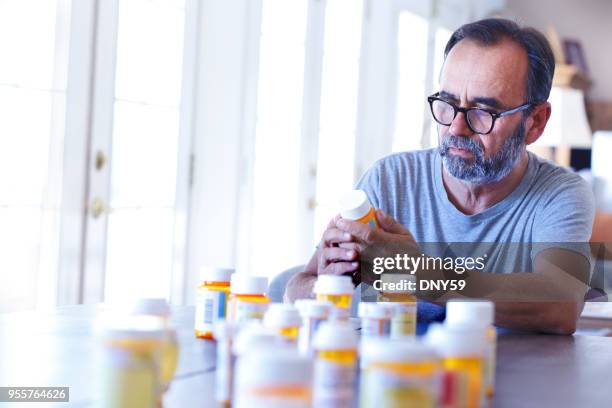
{"x":541,"y":59}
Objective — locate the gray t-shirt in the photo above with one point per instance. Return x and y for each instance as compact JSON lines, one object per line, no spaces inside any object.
{"x":551,"y":207}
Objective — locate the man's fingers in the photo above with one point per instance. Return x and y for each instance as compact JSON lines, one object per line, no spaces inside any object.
{"x":335,"y":254}
{"x":352,"y":245}
{"x":332,"y":223}
{"x":389,"y":224}
{"x":362,"y":231}
{"x":340,"y":268}
{"x":334,"y":235}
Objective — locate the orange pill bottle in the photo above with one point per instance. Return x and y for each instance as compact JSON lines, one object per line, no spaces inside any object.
{"x":211,"y":300}
{"x":354,"y":205}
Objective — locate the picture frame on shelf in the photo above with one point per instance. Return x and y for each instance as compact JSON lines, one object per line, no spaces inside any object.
{"x":574,"y":55}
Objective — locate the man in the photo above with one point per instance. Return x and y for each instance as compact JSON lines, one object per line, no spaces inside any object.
{"x":481,"y":185}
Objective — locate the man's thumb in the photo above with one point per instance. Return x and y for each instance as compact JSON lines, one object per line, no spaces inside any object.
{"x":389,"y":224}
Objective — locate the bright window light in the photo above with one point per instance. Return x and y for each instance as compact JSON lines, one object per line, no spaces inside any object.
{"x":442,"y":37}
{"x":33,"y":34}
{"x":338,"y":117}
{"x":144,"y":149}
{"x":411,"y":74}
{"x":278,"y":130}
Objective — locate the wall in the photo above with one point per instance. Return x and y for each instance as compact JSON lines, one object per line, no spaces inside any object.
{"x":589,"y":21}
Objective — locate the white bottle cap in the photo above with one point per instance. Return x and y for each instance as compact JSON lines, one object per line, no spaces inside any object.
{"x":242,"y":284}
{"x":470,"y":312}
{"x":405,"y":350}
{"x":335,"y":335}
{"x":150,"y":306}
{"x":354,"y":205}
{"x":371,"y":310}
{"x":316,"y":309}
{"x":138,"y":327}
{"x":215,"y":274}
{"x":273,"y":366}
{"x":253,"y":336}
{"x":435,"y":335}
{"x":282,"y":315}
{"x":334,"y":285}
{"x":457,"y":341}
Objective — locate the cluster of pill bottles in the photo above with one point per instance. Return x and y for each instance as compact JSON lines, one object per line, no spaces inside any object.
{"x":267,"y":364}
{"x":341,"y":365}
{"x":139,"y":355}
{"x":228,"y":303}
{"x":226,"y":295}
{"x":313,"y":354}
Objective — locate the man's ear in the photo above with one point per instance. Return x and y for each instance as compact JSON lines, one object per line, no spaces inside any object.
{"x":536,"y":122}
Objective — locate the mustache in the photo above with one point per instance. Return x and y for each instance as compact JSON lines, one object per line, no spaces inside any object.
{"x":464,"y":143}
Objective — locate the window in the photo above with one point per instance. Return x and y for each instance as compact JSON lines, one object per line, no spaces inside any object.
{"x":442,"y":36}
{"x":411,"y":87}
{"x":338,"y":109}
{"x":145,"y":145}
{"x":291,"y":99}
{"x":277,"y":212}
{"x":273,"y":241}
{"x":34,"y":52}
{"x":322,"y":84}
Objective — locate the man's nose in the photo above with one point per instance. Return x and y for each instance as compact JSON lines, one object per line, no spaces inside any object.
{"x":459,"y":125}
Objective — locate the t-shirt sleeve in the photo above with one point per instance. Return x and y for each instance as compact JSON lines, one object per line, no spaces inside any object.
{"x":565,"y":219}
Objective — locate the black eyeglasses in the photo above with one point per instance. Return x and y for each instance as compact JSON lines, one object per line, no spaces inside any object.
{"x":479,"y":120}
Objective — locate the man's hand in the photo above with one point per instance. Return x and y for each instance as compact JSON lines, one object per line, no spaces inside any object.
{"x":387,"y":241}
{"x":341,"y":246}
{"x":391,"y":233}
{"x":337,"y":253}
{"x":390,"y":230}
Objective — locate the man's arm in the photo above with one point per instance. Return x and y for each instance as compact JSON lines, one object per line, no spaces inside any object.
{"x":336,"y":254}
{"x":301,"y":284}
{"x":548,"y":300}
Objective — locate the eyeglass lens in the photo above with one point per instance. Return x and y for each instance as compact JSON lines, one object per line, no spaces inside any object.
{"x":480,"y":121}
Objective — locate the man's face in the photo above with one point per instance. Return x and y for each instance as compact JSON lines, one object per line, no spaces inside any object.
{"x":490,"y":77}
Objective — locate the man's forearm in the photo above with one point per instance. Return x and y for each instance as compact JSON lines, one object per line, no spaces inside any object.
{"x":546,"y":317}
{"x":528,"y":301}
{"x":300,"y":286}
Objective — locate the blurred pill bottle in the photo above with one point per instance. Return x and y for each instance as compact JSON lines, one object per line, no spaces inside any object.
{"x":395,"y":292}
{"x":335,"y":369}
{"x":247,"y":300}
{"x":273,"y":376}
{"x":335,"y":289}
{"x":211,"y":300}
{"x":399,"y":372}
{"x":478,"y":314}
{"x":159,"y":308}
{"x":285,"y":319}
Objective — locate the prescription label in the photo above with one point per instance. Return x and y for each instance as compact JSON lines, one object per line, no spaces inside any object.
{"x":389,"y":389}
{"x":244,"y":311}
{"x":210,"y":307}
{"x":404,"y":318}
